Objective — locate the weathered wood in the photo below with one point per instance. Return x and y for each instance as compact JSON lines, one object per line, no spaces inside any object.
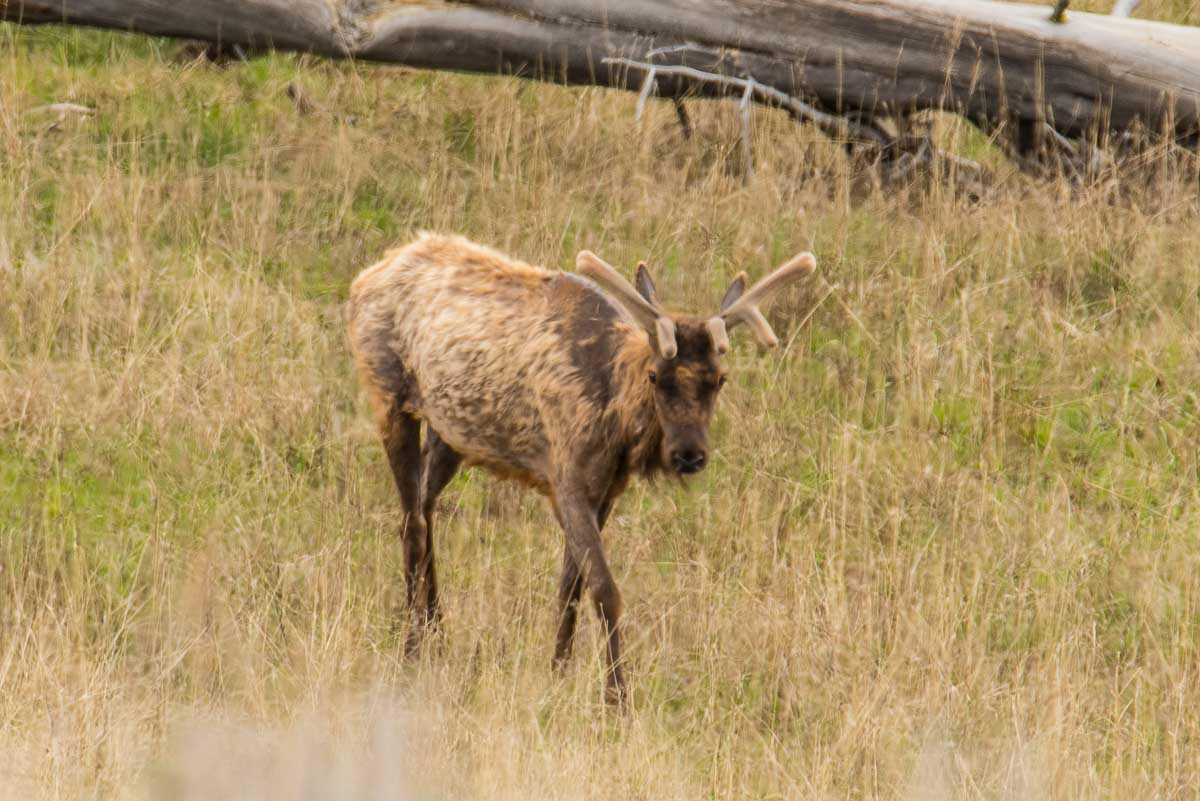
{"x":1004,"y":66}
{"x":1125,"y":8}
{"x":984,"y":58}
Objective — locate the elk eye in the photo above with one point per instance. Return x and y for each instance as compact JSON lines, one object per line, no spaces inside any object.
{"x":653,"y":377}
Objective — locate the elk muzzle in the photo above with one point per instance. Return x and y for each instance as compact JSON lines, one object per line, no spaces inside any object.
{"x":686,"y":461}
{"x":687,"y":452}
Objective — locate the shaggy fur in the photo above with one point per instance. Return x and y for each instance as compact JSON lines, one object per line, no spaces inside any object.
{"x":539,"y":376}
{"x":515,"y":367}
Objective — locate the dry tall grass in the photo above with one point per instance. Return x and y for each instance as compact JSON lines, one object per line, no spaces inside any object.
{"x":947,"y":548}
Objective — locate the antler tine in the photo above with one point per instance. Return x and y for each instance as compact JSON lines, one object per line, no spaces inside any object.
{"x":716,"y":330}
{"x":746,"y":308}
{"x":649,"y":316}
{"x":606,"y":275}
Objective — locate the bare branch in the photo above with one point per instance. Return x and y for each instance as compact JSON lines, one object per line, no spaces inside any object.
{"x":647,"y":89}
{"x":1125,"y":8}
{"x":747,"y":147}
{"x":835,"y":126}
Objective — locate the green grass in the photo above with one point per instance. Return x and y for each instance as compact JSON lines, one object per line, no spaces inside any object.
{"x":946,"y":547}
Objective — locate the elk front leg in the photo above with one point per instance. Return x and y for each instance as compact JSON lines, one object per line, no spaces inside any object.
{"x":570,"y":587}
{"x":581,"y":525}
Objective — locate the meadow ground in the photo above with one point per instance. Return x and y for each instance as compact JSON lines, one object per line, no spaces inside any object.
{"x":948,"y":547}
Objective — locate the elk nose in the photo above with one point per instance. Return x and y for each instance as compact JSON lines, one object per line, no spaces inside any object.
{"x":689,"y":460}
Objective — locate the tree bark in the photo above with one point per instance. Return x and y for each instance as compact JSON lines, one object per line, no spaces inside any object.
{"x":1038,"y":86}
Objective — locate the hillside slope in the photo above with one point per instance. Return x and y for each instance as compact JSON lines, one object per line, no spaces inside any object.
{"x":948,"y":546}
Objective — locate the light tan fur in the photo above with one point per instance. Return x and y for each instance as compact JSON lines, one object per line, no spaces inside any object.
{"x":539,"y":376}
{"x":468,"y":340}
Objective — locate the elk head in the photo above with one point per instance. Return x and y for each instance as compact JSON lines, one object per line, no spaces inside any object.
{"x":686,"y":372}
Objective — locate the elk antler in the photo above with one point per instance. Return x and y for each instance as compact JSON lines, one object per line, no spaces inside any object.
{"x":745,"y":309}
{"x":647,"y":314}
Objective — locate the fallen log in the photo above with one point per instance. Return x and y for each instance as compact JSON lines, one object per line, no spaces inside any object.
{"x":1050,"y":93}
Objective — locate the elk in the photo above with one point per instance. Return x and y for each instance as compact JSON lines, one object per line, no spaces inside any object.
{"x":569,"y":383}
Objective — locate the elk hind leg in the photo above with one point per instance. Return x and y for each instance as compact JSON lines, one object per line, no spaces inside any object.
{"x":402,"y":440}
{"x":439,"y":464}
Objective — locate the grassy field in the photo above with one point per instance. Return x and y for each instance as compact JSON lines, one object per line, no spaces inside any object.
{"x":948,"y":547}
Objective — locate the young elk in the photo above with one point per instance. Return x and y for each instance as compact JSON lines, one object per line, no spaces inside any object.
{"x":566,"y":384}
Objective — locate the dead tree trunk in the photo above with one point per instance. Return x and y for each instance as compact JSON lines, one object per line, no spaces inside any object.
{"x":1048,"y":92}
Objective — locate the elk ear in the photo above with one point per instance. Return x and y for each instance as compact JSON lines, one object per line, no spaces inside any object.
{"x":735,"y":290}
{"x":645,"y":284}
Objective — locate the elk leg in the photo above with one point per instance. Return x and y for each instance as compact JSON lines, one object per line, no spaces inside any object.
{"x":402,"y":441}
{"x":570,"y":587}
{"x":581,"y":525}
{"x":439,"y":464}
